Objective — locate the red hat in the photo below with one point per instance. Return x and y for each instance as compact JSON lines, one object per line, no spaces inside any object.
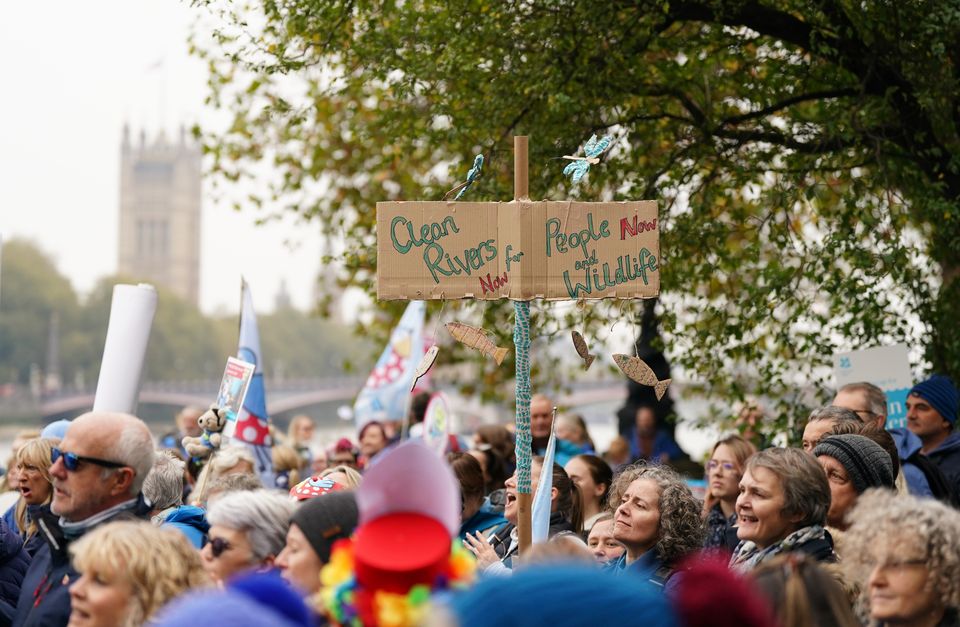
{"x":398,"y":551}
{"x":404,"y":547}
{"x":314,"y":486}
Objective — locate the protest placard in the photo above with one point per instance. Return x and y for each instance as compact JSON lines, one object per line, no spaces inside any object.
{"x":233,"y":389}
{"x":887,"y":367}
{"x":520,"y":250}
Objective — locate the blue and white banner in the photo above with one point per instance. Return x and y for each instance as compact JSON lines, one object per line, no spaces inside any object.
{"x":386,"y":392}
{"x":253,"y":423}
{"x":543,"y":499}
{"x":888,"y":368}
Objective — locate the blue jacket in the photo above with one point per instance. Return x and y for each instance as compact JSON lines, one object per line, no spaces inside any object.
{"x":10,"y":518}
{"x":485,"y":518}
{"x":45,"y":594}
{"x":663,"y":446}
{"x":14,"y":561}
{"x":191,"y":521}
{"x":34,"y":542}
{"x":907,"y":444}
{"x":648,"y":567}
{"x":564,"y":452}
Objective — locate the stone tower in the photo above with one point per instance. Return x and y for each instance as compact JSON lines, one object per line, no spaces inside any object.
{"x":160,"y":213}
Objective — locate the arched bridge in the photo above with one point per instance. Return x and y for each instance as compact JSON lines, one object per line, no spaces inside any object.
{"x":282,"y":395}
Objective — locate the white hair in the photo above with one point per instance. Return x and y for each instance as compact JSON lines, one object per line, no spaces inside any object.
{"x":133,"y":448}
{"x":262,"y":515}
{"x":163,"y":487}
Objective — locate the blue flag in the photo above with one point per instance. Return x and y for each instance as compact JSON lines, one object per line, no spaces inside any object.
{"x":253,"y":423}
{"x":540,"y":519}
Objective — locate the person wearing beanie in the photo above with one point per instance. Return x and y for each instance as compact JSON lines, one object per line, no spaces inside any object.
{"x":932,"y":416}
{"x":853,"y":464}
{"x":314,"y":527}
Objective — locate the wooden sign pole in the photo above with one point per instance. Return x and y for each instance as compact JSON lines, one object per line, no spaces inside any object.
{"x":521,"y":340}
{"x":566,"y":250}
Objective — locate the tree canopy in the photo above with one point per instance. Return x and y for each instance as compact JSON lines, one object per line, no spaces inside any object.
{"x":804,"y":152}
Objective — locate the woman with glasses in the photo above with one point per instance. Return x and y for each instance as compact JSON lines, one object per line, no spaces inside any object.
{"x":247,"y":531}
{"x":36,"y":489}
{"x":729,"y":456}
{"x":904,"y":552}
{"x":128,"y":571}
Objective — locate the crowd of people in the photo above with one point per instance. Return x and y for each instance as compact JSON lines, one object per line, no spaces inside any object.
{"x":858,"y":526}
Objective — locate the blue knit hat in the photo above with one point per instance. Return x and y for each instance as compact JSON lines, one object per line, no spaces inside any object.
{"x":218,"y":608}
{"x":540,"y":596}
{"x":940,"y":392}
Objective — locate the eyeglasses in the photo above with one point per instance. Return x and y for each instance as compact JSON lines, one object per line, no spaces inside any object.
{"x":218,"y":546}
{"x":727,"y":466}
{"x":72,"y":460}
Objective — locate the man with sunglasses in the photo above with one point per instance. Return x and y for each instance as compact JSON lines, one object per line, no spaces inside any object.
{"x":97,"y":471}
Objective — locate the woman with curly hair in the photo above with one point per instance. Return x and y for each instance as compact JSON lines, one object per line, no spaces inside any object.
{"x":782,"y":507}
{"x":904,"y":552}
{"x":724,"y":470}
{"x":128,"y":571}
{"x":657,"y":519}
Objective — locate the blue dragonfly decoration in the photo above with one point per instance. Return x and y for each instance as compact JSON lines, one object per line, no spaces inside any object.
{"x":592,"y":151}
{"x":472,"y":176}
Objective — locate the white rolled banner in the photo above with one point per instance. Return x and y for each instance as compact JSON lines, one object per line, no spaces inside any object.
{"x":131,"y":316}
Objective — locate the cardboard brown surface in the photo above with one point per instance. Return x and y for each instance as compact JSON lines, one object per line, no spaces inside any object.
{"x":520,"y":250}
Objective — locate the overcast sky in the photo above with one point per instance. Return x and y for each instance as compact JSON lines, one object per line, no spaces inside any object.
{"x":74,"y":72}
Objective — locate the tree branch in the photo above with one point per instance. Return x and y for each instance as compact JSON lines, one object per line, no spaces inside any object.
{"x":789,"y":102}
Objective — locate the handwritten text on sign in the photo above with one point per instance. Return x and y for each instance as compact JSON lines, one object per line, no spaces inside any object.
{"x":554,"y":250}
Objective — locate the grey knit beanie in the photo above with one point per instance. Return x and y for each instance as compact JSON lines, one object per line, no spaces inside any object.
{"x":866,"y":462}
{"x":326,"y":519}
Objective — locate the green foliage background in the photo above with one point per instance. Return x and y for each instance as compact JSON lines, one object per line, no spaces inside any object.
{"x":184,"y":344}
{"x":804,"y":154}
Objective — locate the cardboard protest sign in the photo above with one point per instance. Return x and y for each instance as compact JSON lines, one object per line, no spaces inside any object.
{"x":887,"y":367}
{"x":518,"y":250}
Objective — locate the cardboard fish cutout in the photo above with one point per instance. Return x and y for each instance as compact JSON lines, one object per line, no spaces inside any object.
{"x":581,"y":345}
{"x":639,"y":371}
{"x":426,"y":363}
{"x":476,"y":338}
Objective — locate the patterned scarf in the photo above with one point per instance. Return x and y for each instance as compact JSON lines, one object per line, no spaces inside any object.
{"x":717,"y":525}
{"x":748,"y":555}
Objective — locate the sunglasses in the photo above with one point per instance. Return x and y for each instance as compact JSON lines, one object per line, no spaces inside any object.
{"x":218,"y":546}
{"x":72,"y":460}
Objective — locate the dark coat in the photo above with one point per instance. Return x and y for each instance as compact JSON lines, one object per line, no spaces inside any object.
{"x":14,"y":562}
{"x":820,"y":549}
{"x":45,"y":594}
{"x":947,"y":458}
